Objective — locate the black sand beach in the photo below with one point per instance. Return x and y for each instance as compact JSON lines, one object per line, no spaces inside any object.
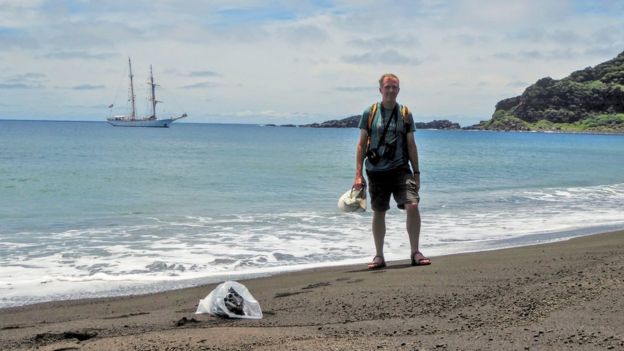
{"x":559,"y":296}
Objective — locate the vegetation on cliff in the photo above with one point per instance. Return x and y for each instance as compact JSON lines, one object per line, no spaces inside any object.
{"x":589,"y":100}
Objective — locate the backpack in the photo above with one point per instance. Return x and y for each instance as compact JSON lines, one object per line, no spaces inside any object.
{"x":373,"y":112}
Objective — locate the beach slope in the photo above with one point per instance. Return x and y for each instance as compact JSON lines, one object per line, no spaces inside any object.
{"x":564,"y":295}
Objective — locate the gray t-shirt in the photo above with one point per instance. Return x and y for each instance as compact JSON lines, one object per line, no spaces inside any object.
{"x":395,"y":138}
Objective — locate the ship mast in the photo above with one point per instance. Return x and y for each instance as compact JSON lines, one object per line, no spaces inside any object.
{"x":131,"y":99}
{"x":153,"y":93}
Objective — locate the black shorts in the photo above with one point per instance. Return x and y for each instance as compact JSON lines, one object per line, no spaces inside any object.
{"x":398,"y":182}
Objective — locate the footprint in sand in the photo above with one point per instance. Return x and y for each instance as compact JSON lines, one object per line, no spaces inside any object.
{"x":285,"y":294}
{"x":316,"y":285}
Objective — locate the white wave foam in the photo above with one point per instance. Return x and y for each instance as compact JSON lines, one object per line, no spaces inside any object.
{"x":169,"y":250}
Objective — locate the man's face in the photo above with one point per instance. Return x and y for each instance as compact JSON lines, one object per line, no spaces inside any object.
{"x":390,"y":89}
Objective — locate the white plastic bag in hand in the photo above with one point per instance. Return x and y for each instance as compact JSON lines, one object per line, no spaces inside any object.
{"x":231,"y":300}
{"x":353,"y":200}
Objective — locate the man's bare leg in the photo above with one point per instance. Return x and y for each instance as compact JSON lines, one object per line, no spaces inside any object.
{"x":379,"y":231}
{"x":413,"y":225}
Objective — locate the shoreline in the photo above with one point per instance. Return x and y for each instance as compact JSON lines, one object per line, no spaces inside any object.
{"x":564,"y":294}
{"x":464,"y":129}
{"x":138,"y":288}
{"x":546,"y":131}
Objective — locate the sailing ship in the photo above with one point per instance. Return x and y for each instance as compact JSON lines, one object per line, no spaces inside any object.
{"x":133,"y":120}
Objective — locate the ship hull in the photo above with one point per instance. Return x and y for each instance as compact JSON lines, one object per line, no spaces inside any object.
{"x":154,"y":123}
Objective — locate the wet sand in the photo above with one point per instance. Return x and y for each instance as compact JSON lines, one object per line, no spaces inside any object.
{"x":559,"y":296}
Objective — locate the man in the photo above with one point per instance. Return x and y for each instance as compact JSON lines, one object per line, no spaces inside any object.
{"x":387,"y":142}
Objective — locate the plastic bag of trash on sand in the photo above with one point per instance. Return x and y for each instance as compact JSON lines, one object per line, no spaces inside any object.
{"x":230,"y":300}
{"x":353,"y":200}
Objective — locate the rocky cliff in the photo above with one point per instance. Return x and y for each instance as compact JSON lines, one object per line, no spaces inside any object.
{"x":349,"y":122}
{"x":591,"y":99}
{"x":438,"y":124}
{"x":353,"y":121}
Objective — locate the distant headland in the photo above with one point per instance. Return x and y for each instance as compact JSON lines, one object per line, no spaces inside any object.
{"x":352,"y":122}
{"x":590,"y":100}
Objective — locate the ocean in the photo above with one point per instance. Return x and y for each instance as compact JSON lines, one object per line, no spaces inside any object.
{"x":89,"y":210}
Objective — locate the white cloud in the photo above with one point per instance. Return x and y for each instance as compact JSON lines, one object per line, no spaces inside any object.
{"x":87,"y":87}
{"x":294,"y":62}
{"x":201,"y":85}
{"x":67,"y":55}
{"x":393,"y":41}
{"x":203,"y":74}
{"x":391,"y":57}
{"x":304,"y":34}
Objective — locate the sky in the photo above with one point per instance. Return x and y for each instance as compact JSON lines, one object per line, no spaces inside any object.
{"x":291,"y":62}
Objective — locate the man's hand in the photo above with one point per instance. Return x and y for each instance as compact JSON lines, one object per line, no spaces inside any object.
{"x":417,"y":181}
{"x":358,"y":183}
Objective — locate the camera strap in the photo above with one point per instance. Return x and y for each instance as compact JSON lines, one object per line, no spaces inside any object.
{"x":383,"y":135}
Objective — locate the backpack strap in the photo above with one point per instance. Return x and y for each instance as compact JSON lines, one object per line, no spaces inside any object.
{"x":406,"y":125}
{"x":371,"y":117}
{"x":405,"y":113}
{"x":373,"y":111}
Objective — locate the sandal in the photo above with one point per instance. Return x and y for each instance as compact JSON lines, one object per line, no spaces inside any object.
{"x":376,"y":264}
{"x":423,"y":261}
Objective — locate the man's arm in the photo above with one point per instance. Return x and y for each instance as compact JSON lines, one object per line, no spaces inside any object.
{"x":359,"y":159}
{"x":412,"y":152}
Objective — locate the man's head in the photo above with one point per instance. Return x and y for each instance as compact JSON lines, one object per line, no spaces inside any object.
{"x":389,"y":89}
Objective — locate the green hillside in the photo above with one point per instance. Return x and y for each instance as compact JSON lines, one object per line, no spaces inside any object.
{"x":589,"y":100}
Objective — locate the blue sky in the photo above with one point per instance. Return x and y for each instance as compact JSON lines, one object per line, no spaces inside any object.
{"x":292,"y":62}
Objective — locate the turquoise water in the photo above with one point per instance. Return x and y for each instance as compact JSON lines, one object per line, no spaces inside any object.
{"x":87,"y":209}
